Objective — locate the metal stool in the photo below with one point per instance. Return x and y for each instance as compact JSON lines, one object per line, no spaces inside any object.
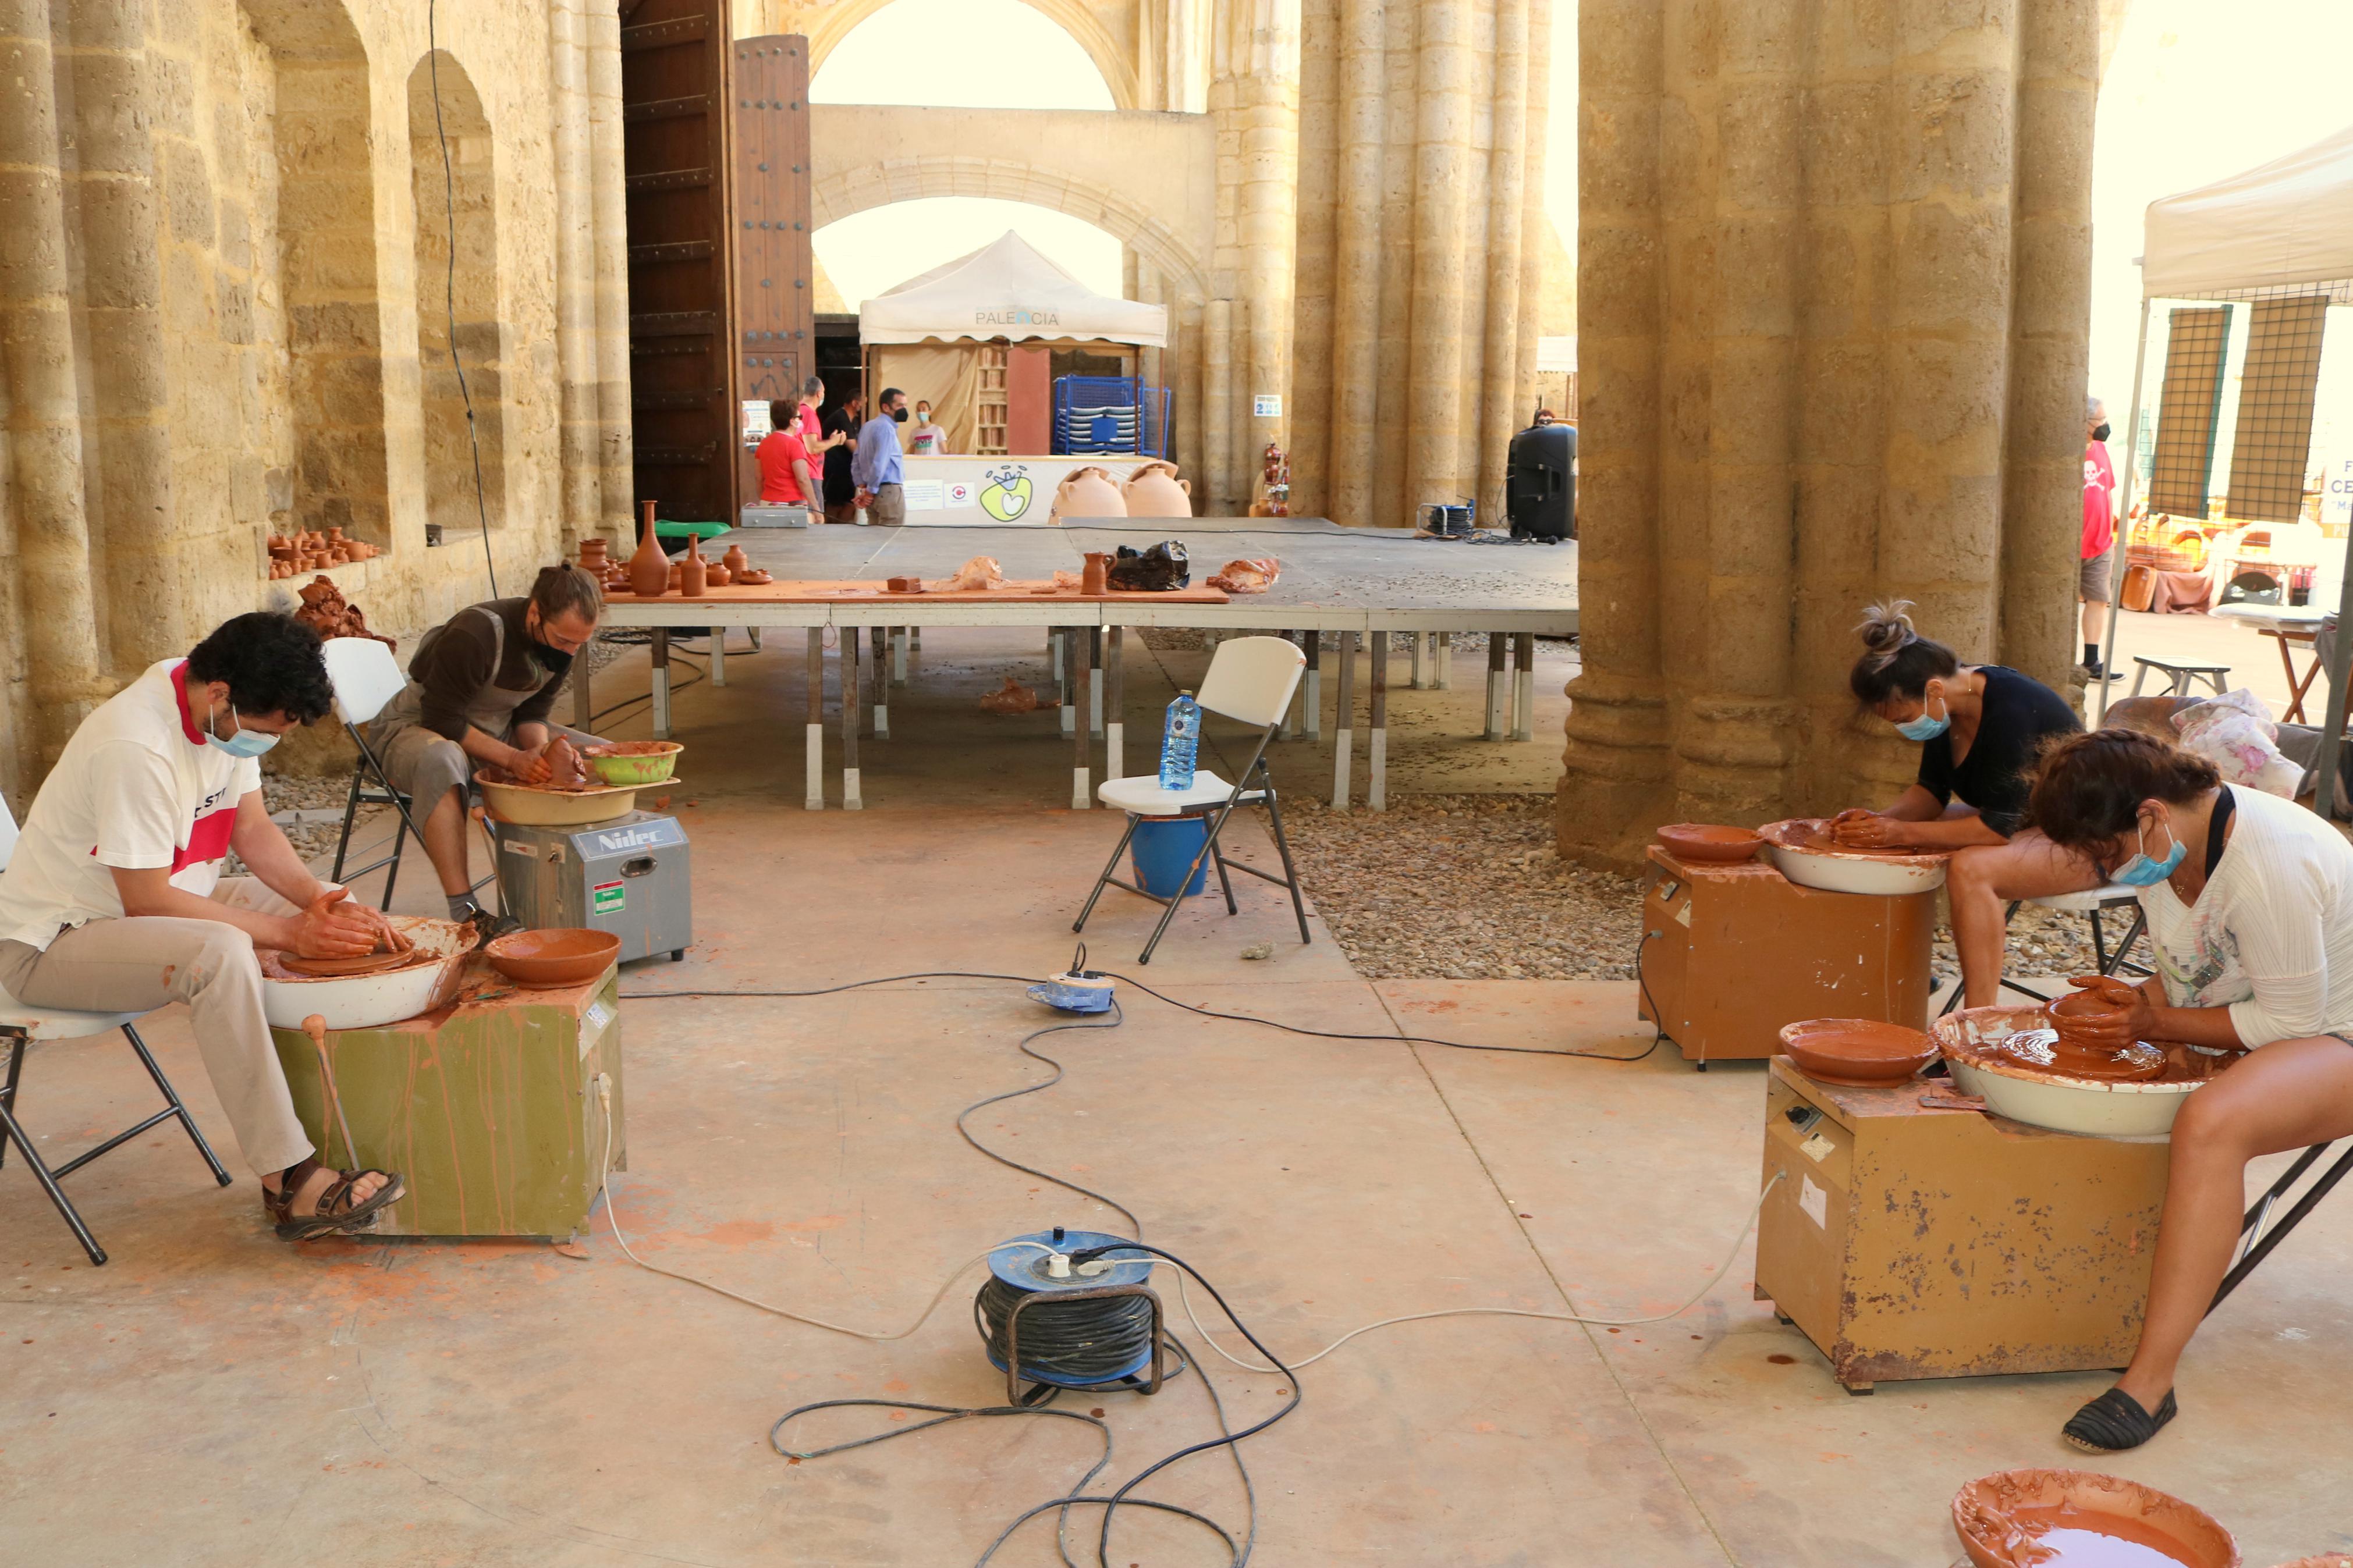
{"x":2179,"y":673}
{"x":2255,"y":1243}
{"x":2090,"y":904}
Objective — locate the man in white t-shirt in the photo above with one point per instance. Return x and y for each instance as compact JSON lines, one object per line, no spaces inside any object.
{"x":113,"y":899}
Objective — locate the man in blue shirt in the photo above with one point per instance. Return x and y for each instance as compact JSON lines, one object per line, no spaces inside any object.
{"x":877,"y":467}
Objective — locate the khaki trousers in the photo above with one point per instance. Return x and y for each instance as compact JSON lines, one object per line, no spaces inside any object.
{"x":136,"y":965}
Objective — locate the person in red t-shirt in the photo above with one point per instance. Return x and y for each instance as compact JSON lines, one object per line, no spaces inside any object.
{"x":2099,"y":529}
{"x":784,"y":459}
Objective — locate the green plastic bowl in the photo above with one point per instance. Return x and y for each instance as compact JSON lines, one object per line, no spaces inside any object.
{"x":640,"y":768}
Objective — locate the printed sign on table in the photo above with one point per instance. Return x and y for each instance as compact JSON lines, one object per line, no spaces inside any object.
{"x":924,"y":495}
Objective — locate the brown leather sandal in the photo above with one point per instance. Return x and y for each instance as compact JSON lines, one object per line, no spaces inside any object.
{"x":336,"y":1212}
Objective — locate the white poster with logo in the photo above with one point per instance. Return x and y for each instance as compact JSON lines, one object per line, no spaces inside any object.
{"x":2337,"y":496}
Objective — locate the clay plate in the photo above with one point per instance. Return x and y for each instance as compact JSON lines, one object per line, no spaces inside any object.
{"x":1988,"y":1512}
{"x":1856,"y":1053}
{"x":1710,"y":844}
{"x":545,"y":960}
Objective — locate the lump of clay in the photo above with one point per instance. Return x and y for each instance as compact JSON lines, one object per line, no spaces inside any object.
{"x":326,"y":611}
{"x":564,"y":768}
{"x":1253,"y":575}
{"x":1011,"y":698}
{"x":1088,"y":492}
{"x":980,"y":572}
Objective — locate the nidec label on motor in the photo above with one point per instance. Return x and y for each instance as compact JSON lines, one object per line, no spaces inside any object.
{"x":606,"y":898}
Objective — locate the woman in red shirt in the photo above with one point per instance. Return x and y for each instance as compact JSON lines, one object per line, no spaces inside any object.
{"x":784,"y":459}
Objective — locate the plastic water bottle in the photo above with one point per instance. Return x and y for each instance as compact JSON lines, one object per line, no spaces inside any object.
{"x":1181,"y":742}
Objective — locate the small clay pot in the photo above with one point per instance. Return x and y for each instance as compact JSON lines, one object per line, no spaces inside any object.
{"x":735,"y":561}
{"x":715,"y":575}
{"x":694,"y":572}
{"x":1096,"y":578}
{"x":593,"y":557}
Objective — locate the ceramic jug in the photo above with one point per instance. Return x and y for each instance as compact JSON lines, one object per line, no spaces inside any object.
{"x":1087,"y":493}
{"x":692,"y":572}
{"x":648,"y":568}
{"x":1155,"y":490}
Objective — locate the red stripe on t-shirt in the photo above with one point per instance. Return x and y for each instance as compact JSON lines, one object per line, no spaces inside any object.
{"x":207,"y":839}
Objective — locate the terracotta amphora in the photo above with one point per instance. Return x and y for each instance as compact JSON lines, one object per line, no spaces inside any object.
{"x":1155,"y":490}
{"x":1087,"y":493}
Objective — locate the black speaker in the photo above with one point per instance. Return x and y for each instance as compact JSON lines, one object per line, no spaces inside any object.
{"x":1540,"y":484}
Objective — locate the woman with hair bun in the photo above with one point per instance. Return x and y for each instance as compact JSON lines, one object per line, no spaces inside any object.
{"x":1980,"y":728}
{"x":2250,"y":907}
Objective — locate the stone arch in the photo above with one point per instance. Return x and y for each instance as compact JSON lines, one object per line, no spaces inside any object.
{"x":879,"y":184}
{"x":325,"y":227}
{"x":457,"y":239}
{"x":1073,"y":17}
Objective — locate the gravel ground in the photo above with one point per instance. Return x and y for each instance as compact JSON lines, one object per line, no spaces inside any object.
{"x":1462,"y":887}
{"x":1458,"y":887}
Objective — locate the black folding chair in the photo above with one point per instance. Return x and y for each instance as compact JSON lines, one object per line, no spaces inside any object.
{"x":2255,"y":1243}
{"x":20,"y":1025}
{"x":1251,"y":679}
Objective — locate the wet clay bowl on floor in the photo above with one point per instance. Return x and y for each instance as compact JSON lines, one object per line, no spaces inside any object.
{"x":1975,"y":1044}
{"x":634,"y":761}
{"x":384,"y":997}
{"x":543,"y":960}
{"x":2078,"y":1519}
{"x":1803,"y":850}
{"x":1708,"y":843}
{"x":1856,"y":1053}
{"x":533,"y":805}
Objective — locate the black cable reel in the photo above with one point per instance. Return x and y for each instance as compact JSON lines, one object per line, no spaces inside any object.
{"x":1061,"y":1309}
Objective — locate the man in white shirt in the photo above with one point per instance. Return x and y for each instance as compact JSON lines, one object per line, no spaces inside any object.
{"x":113,"y":899}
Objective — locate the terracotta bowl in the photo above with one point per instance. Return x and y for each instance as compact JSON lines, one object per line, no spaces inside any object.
{"x":1857,"y":1053}
{"x":1987,"y":1512}
{"x":544,"y":960}
{"x":1704,"y":842}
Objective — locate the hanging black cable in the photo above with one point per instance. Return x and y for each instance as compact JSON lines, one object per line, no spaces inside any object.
{"x":449,"y":290}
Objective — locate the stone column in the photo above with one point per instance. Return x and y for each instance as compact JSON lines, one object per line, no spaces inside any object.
{"x":1417,"y":339}
{"x":578,"y":415}
{"x":51,"y":626}
{"x":1443,"y":172}
{"x":1255,"y":99}
{"x":1507,"y":212}
{"x":1831,"y":325}
{"x":614,"y":444}
{"x":129,"y":480}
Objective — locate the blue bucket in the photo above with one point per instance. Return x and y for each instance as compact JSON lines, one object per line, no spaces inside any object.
{"x":1163,"y":846}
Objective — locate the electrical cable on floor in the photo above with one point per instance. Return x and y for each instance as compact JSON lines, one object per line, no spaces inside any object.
{"x":1073,"y":1336}
{"x":449,"y":290}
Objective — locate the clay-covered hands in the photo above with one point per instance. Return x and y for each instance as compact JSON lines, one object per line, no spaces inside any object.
{"x":330,"y":926}
{"x":1859,"y":829}
{"x":2129,"y":1014}
{"x":530,"y":767}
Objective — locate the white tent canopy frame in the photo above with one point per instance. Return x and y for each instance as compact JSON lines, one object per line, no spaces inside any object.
{"x":1005,"y":289}
{"x":2282,"y":228}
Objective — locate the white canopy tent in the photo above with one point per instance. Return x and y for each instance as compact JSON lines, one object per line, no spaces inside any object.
{"x":2282,"y":228}
{"x":1005,"y":289}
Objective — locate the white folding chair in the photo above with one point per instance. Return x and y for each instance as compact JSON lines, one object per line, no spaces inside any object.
{"x":1251,"y":679}
{"x":19,"y":1027}
{"x":366,"y":677}
{"x":2090,"y":903}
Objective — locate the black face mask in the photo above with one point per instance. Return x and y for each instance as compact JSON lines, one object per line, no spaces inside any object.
{"x":547,"y":663}
{"x":2100,"y":433}
{"x":899,"y":414}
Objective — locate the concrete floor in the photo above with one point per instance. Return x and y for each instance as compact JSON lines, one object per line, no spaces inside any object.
{"x":215,"y":1396}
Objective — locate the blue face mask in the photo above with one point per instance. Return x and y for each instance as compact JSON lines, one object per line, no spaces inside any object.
{"x":2140,"y":871}
{"x":244,"y":743}
{"x":1926,"y":728}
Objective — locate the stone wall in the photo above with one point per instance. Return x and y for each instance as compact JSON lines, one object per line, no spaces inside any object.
{"x":1833,"y":304}
{"x":223,"y":314}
